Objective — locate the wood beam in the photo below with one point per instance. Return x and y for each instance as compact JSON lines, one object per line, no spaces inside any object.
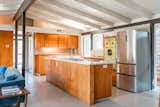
{"x":136,"y":7}
{"x":25,"y":5}
{"x":42,"y":7}
{"x":79,"y":12}
{"x":98,"y":7}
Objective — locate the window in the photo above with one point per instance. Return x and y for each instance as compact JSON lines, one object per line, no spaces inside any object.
{"x":86,"y":45}
{"x":97,"y":41}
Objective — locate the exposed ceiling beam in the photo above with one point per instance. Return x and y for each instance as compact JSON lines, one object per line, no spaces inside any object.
{"x":134,"y":6}
{"x":54,"y":17}
{"x":41,"y":16}
{"x":5,"y":12}
{"x":25,"y":5}
{"x":152,"y":21}
{"x":98,"y":7}
{"x":56,"y":24}
{"x":79,"y":12}
{"x":65,"y":15}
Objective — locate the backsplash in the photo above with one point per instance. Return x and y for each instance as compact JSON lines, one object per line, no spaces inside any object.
{"x":55,"y":51}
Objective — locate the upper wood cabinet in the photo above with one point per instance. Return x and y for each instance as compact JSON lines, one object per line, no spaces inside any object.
{"x":62,"y":41}
{"x":39,"y":40}
{"x":72,"y":42}
{"x":51,"y":41}
{"x":55,"y":41}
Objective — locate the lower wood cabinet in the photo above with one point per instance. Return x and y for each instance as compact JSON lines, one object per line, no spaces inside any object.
{"x":114,"y":75}
{"x":86,"y":82}
{"x":114,"y":78}
{"x":41,"y":64}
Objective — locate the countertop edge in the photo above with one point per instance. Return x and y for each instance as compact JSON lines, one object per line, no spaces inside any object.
{"x":83,"y":62}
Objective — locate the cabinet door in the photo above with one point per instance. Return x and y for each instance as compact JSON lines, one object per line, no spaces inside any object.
{"x":54,"y":71}
{"x":67,"y":67}
{"x":39,"y":40}
{"x":114,"y":78}
{"x":49,"y":71}
{"x":74,"y":80}
{"x":60,"y":81}
{"x":73,"y":42}
{"x":36,"y":68}
{"x":42,"y":65}
{"x":51,"y":41}
{"x":62,"y":41}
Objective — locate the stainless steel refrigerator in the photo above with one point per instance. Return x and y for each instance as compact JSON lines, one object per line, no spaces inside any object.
{"x":133,"y":61}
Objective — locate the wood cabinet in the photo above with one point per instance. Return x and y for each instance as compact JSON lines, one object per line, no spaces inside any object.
{"x":86,"y":82}
{"x":49,"y":74}
{"x":72,"y":42}
{"x":43,"y":40}
{"x":6,"y":48}
{"x":62,"y":41}
{"x":41,"y":64}
{"x":39,"y":40}
{"x":51,"y":41}
{"x":114,"y":78}
{"x":102,"y":79}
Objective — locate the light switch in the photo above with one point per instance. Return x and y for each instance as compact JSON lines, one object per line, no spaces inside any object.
{"x":7,"y":46}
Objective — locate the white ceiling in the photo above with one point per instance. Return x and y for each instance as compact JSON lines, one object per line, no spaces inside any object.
{"x":9,"y":6}
{"x":86,"y":15}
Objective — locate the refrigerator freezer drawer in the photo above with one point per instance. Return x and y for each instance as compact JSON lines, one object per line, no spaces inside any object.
{"x":126,"y":82}
{"x":128,"y":69}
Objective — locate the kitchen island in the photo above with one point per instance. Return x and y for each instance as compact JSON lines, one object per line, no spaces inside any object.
{"x":86,"y":80}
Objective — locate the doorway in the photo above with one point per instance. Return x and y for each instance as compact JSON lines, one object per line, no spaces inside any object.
{"x":29,"y":49}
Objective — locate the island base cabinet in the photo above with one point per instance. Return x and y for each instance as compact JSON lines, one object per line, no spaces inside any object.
{"x":102,"y":81}
{"x":86,"y":82}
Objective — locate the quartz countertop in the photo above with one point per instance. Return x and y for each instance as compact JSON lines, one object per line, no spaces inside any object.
{"x":80,"y":60}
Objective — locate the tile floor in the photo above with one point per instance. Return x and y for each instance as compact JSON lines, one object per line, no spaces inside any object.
{"x":44,"y":94}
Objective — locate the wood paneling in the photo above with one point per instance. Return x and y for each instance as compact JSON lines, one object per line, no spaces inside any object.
{"x":6,"y":48}
{"x":88,"y":83}
{"x":43,"y":40}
